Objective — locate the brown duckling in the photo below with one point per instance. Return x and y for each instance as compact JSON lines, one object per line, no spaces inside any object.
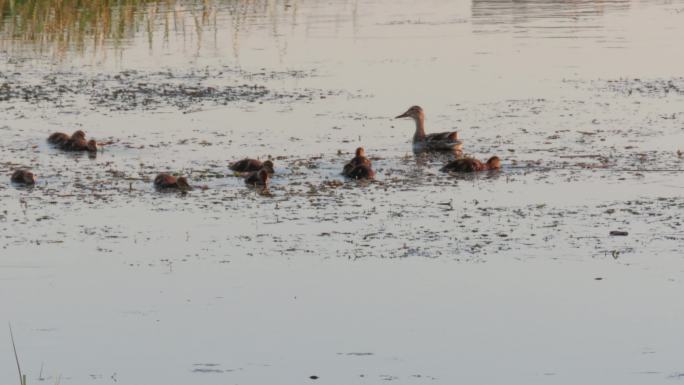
{"x":359,"y":167}
{"x":80,"y":144}
{"x":78,"y":134}
{"x":76,"y":142}
{"x":166,"y":181}
{"x":24,"y":177}
{"x":258,"y":178}
{"x":362,"y":171}
{"x":247,"y":164}
{"x":472,"y":165}
{"x":58,"y":138}
{"x":442,"y":141}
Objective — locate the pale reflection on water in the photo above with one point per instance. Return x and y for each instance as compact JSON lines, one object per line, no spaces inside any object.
{"x":513,"y":13}
{"x":87,"y":27}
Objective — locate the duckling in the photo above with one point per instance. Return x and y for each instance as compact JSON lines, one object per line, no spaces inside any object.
{"x":58,"y":138}
{"x":78,"y":134}
{"x":75,"y":142}
{"x":248,"y":164}
{"x":24,"y":177}
{"x":166,"y":181}
{"x":443,"y":141}
{"x":362,"y":171}
{"x":80,"y":144}
{"x":258,"y":178}
{"x":472,"y":165}
{"x":359,"y":167}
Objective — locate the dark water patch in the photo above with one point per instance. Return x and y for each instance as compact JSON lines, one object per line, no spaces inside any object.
{"x":140,"y":90}
{"x":647,"y":87}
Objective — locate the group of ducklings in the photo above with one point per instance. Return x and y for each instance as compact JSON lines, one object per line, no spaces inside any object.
{"x":258,"y":173}
{"x":255,"y":172}
{"x":76,"y":142}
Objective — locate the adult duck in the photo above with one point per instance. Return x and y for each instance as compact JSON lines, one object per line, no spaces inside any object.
{"x":166,"y":181}
{"x":472,"y":165}
{"x":248,"y":165}
{"x":23,"y":177}
{"x":359,"y":167}
{"x":442,"y":141}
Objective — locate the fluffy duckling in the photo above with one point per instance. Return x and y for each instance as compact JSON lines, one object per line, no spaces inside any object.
{"x":258,"y":178}
{"x":472,"y":165}
{"x":359,"y":167}
{"x":361,"y":172}
{"x":247,"y":164}
{"x":442,"y":141}
{"x":58,"y":138}
{"x":78,"y":134}
{"x":24,"y":177}
{"x":76,"y":142}
{"x":80,"y":144}
{"x":166,"y":181}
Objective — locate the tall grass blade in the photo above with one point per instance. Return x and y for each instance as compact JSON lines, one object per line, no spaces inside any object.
{"x":22,"y":378}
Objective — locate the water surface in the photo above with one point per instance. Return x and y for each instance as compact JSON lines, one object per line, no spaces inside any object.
{"x":418,"y":277}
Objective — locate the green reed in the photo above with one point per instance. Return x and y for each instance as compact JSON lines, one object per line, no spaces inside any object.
{"x":58,"y":26}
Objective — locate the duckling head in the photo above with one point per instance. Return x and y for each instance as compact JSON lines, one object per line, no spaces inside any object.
{"x":414,"y":112}
{"x":78,"y":134}
{"x":182,"y":183}
{"x":29,"y":178}
{"x":91,"y":146}
{"x":268,"y":166}
{"x":494,"y":163}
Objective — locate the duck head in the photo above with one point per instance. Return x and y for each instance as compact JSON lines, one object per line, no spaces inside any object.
{"x":360,"y":152}
{"x":415,"y":112}
{"x":494,"y":163}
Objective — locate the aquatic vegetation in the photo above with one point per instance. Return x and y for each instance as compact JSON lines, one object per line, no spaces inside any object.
{"x":56,"y":28}
{"x":72,"y":24}
{"x":22,"y":376}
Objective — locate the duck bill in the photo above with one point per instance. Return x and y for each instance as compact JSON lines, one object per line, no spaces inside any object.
{"x":404,"y":115}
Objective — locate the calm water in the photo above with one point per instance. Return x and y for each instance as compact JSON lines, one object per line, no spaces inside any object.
{"x":419,"y":277}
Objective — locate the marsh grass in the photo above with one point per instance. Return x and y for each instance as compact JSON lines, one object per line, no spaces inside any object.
{"x":22,"y":377}
{"x":57,"y":27}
